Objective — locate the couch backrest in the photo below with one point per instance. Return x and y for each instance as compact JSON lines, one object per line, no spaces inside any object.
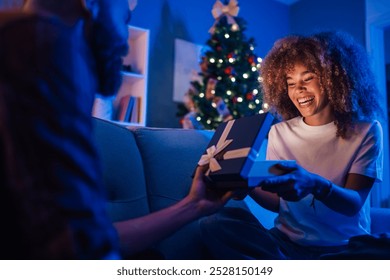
{"x":146,"y":169}
{"x":123,"y":171}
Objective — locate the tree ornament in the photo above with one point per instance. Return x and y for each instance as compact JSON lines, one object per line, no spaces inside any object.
{"x":222,"y":109}
{"x":249,"y":96}
{"x":251,"y":60}
{"x":210,"y":88}
{"x":203,"y":64}
{"x":228,"y":70}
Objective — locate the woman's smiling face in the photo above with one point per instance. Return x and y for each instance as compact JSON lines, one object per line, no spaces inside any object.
{"x":304,"y":91}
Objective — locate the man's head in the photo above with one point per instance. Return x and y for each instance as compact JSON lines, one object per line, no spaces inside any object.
{"x":107,"y":22}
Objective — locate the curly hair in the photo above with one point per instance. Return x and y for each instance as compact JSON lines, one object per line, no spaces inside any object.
{"x":344,"y":72}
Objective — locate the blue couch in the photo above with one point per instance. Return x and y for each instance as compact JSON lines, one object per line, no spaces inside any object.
{"x":147,"y":169}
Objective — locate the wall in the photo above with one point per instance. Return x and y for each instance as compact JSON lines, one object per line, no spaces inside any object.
{"x":374,"y":9}
{"x":308,"y":16}
{"x":190,"y":20}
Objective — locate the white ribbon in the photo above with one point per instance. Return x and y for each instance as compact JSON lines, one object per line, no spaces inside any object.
{"x":230,"y":11}
{"x":212,"y":151}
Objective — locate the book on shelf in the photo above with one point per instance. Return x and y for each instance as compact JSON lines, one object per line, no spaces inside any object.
{"x":135,"y":113}
{"x":129,"y":109}
{"x":125,"y":107}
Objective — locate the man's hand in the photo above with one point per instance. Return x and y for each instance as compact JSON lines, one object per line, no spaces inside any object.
{"x":206,"y":200}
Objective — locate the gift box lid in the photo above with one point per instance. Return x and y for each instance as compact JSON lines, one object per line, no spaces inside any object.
{"x":233,"y":149}
{"x":263,"y":169}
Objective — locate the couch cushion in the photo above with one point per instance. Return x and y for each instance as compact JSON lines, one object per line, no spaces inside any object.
{"x":170,"y":157}
{"x":123,"y":171}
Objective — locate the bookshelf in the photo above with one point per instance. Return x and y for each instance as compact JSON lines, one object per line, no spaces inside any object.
{"x":134,"y":82}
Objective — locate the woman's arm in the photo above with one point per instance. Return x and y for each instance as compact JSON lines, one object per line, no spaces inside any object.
{"x":298,"y":183}
{"x":350,"y":199}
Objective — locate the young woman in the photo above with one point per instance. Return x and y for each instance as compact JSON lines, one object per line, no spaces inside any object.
{"x":324,"y":92}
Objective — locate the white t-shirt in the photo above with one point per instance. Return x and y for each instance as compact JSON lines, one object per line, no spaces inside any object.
{"x":318,"y":150}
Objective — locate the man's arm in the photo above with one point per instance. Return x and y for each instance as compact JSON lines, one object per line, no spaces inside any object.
{"x":140,"y":233}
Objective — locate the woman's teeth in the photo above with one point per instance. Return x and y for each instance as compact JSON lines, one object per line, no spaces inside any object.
{"x":305,"y":100}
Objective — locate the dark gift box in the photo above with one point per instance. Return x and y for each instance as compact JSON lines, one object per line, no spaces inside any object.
{"x":233,"y":149}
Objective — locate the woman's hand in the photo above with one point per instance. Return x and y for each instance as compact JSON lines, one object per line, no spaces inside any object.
{"x":294,"y":184}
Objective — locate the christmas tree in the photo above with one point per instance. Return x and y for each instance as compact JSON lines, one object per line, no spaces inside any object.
{"x":229,"y":87}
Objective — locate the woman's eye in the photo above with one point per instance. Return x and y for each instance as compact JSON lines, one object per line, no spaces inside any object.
{"x":290,"y":84}
{"x":308,"y":79}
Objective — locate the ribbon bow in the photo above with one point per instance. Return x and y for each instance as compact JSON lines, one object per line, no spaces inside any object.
{"x":230,"y":11}
{"x":220,"y":9}
{"x":212,"y":151}
{"x":209,"y":157}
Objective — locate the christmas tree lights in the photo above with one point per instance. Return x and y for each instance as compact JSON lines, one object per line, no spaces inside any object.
{"x":229,"y":87}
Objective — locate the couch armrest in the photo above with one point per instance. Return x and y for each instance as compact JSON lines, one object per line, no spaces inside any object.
{"x":380,"y":220}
